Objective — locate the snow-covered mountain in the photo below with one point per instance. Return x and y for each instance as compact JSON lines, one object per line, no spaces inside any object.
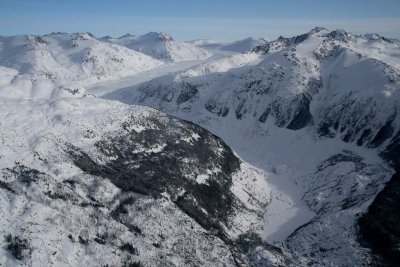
{"x":162,"y":46}
{"x":34,"y":64}
{"x":85,"y":181}
{"x":243,"y":45}
{"x":320,"y":110}
{"x":237,"y":46}
{"x":299,"y":136}
{"x":204,"y":43}
{"x":341,"y":85}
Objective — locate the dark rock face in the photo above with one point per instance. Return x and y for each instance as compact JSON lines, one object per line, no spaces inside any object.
{"x":216,"y":108}
{"x":300,"y":38}
{"x":262,"y":49}
{"x":385,"y":132}
{"x":293,"y":114}
{"x":251,"y":244}
{"x":240,"y":110}
{"x":163,"y":91}
{"x":188,"y":92}
{"x":392,"y":152}
{"x":302,"y":116}
{"x":356,"y":121}
{"x":379,"y":227}
{"x":264,"y":116}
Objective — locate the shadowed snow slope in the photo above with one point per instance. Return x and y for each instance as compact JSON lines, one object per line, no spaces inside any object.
{"x":316,"y":112}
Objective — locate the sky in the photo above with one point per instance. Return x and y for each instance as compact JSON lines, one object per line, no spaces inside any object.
{"x":221,"y":20}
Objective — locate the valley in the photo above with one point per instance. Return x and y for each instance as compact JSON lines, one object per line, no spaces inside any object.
{"x":158,"y":152}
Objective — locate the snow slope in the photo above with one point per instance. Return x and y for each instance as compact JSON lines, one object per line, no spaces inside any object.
{"x":64,"y":60}
{"x":314,"y":111}
{"x":91,"y":181}
{"x":313,"y":121}
{"x":87,"y":181}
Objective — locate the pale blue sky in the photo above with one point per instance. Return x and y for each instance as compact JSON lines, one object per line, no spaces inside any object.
{"x":223,"y":20}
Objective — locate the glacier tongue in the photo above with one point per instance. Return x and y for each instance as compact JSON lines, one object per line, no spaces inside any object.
{"x":286,"y":212}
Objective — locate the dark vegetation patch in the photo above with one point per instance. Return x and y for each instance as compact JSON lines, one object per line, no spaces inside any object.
{"x":83,"y":240}
{"x":7,"y":187}
{"x":129,"y":248}
{"x":132,"y":264}
{"x":99,"y":240}
{"x":172,"y":170}
{"x":18,"y":247}
{"x":57,"y":195}
{"x":24,"y":174}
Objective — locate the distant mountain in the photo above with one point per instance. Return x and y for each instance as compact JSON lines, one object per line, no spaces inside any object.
{"x":205,"y":43}
{"x":321,"y":67}
{"x":243,"y":45}
{"x":237,"y":46}
{"x":60,"y":59}
{"x":162,"y":46}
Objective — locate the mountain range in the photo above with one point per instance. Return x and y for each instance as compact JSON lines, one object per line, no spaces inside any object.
{"x":146,"y":151}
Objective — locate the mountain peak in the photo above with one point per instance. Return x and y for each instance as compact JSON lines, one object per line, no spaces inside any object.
{"x":85,"y":36}
{"x":281,"y":38}
{"x":244,"y":44}
{"x":338,"y":33}
{"x":58,"y":33}
{"x":107,"y":37}
{"x":158,"y":35}
{"x":317,"y":30}
{"x":127,"y":35}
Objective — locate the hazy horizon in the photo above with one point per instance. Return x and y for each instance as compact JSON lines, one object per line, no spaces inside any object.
{"x":221,"y":21}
